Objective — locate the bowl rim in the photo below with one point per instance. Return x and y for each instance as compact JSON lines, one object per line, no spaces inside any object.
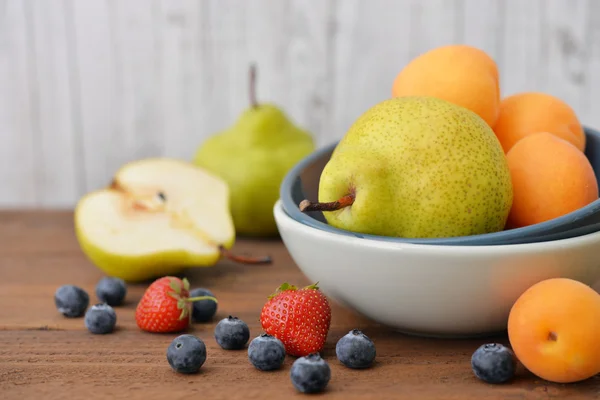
{"x":484,"y":239}
{"x":282,"y":217}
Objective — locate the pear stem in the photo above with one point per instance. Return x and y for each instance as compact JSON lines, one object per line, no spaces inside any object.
{"x":348,"y":200}
{"x":198,"y":298}
{"x":244,"y":259}
{"x":252,"y":89}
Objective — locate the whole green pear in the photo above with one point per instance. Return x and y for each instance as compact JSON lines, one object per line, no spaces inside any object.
{"x":253,"y":156}
{"x":416,"y":167}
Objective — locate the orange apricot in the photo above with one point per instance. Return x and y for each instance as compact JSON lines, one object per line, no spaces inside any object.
{"x":461,"y":74}
{"x":530,"y":112}
{"x":554,"y":330}
{"x":550,"y":178}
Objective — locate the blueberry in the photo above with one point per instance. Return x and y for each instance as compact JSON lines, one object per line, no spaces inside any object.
{"x":186,"y":354}
{"x":111,"y":291}
{"x":71,"y":301}
{"x":494,"y":363}
{"x":100,"y":319}
{"x":266,"y":352}
{"x":232,"y":333}
{"x":355,"y":350}
{"x":203,"y":310}
{"x":310,"y":374}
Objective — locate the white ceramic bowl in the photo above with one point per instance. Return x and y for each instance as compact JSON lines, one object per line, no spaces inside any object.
{"x":433,"y":290}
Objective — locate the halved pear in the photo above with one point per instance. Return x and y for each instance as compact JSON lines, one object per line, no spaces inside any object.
{"x":158,"y":217}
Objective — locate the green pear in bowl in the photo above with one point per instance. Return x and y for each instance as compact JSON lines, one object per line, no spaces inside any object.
{"x":253,"y":156}
{"x":416,"y":167}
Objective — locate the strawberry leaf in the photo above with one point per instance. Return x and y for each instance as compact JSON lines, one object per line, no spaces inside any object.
{"x":183,"y":314}
{"x":183,"y":306}
{"x":314,"y":286}
{"x":173,"y":284}
{"x":186,"y":284}
{"x":284,"y":286}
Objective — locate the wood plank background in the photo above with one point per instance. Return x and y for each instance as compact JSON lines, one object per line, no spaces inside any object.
{"x":86,"y":85}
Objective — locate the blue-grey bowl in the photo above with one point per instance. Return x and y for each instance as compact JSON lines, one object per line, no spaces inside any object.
{"x":302,"y":182}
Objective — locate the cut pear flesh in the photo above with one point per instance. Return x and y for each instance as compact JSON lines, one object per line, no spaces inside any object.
{"x":158,"y":205}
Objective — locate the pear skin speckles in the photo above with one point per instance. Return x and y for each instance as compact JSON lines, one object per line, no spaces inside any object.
{"x":421,"y":167}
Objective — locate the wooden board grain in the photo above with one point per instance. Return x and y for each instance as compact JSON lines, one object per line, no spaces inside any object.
{"x":45,"y":355}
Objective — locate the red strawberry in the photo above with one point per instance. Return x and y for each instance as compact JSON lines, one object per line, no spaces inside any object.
{"x":166,"y":306}
{"x":300,"y":318}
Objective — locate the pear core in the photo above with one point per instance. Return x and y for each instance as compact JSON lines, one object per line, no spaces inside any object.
{"x":157,"y":217}
{"x":416,"y":167}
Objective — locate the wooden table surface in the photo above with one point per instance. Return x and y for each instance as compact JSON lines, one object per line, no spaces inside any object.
{"x":44,"y":354}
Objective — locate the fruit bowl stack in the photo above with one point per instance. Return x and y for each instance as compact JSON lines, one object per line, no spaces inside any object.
{"x":443,"y":204}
